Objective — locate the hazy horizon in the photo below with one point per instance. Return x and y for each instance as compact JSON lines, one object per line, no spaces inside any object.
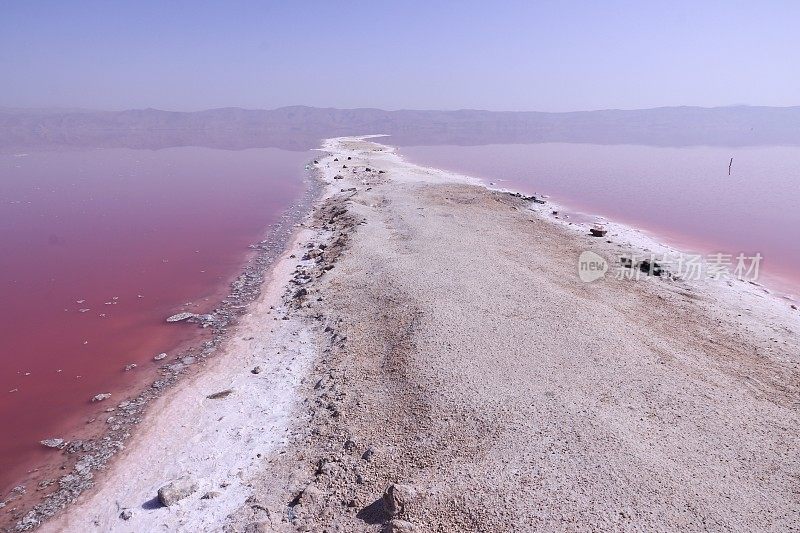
{"x":58,"y":109}
{"x":549,"y":57}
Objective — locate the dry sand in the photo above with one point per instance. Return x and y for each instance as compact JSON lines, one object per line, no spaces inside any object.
{"x":443,"y":341}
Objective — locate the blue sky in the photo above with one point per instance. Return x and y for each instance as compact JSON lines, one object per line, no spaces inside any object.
{"x":548,"y":56}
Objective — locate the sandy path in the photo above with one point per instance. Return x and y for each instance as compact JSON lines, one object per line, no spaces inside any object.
{"x":465,"y":358}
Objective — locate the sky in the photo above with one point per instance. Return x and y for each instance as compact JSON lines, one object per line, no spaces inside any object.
{"x":410,"y":54}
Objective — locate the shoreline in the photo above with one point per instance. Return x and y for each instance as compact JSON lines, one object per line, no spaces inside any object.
{"x":94,"y":454}
{"x":653,"y":241}
{"x":786,"y":284}
{"x":400,"y":355}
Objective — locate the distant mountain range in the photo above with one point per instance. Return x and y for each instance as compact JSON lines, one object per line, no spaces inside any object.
{"x":301,"y":128}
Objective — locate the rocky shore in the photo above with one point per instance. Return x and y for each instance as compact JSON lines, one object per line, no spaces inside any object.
{"x":425,"y":357}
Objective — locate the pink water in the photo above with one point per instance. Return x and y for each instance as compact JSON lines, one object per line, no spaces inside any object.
{"x":130,"y":235}
{"x":682,"y":195}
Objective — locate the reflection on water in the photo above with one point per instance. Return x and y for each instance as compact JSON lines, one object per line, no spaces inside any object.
{"x":99,"y":246}
{"x":682,"y":194}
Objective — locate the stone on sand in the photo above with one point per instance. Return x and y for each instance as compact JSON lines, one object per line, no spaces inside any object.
{"x":175,"y":491}
{"x":396,"y":498}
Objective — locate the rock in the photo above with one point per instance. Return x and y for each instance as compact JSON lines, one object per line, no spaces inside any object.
{"x":400,"y":526}
{"x":210,"y":495}
{"x":180,"y":316}
{"x":653,"y":269}
{"x":396,"y":498}
{"x":126,"y":514}
{"x":219,"y":395}
{"x":793,"y":307}
{"x":101,"y":397}
{"x":338,"y":177}
{"x":598,"y":231}
{"x":130,"y":367}
{"x":159,"y":357}
{"x":54,"y":443}
{"x":300,"y":293}
{"x":367,"y":455}
{"x":256,"y":370}
{"x":175,"y":491}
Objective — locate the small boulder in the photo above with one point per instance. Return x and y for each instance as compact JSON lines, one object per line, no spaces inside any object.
{"x":396,"y":498}
{"x":159,"y":357}
{"x":175,"y":491}
{"x":126,"y":514}
{"x":102,"y":396}
{"x":256,"y":370}
{"x":180,"y":316}
{"x":598,"y":231}
{"x":59,"y":444}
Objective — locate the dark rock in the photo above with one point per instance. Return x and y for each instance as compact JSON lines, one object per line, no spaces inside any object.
{"x":210,"y":495}
{"x":598,"y":231}
{"x":256,"y":370}
{"x":126,"y":514}
{"x":221,"y":394}
{"x":368,"y":454}
{"x":651,"y":268}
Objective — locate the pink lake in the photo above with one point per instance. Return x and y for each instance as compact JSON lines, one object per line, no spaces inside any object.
{"x":99,"y":246}
{"x":681,"y":195}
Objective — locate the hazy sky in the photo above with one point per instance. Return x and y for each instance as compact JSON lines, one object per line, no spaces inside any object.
{"x":520,"y":55}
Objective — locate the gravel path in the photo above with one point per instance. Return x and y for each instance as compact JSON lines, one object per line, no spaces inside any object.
{"x":464,"y":360}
